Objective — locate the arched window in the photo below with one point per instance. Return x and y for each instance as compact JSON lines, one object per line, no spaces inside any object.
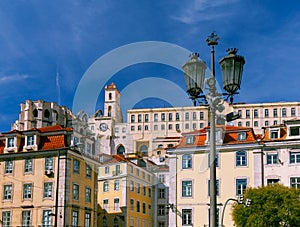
{"x":109,"y":111}
{"x":144,"y":149}
{"x":121,"y":150}
{"x":104,"y":222}
{"x":35,"y":113}
{"x":116,"y":222}
{"x":187,"y":161}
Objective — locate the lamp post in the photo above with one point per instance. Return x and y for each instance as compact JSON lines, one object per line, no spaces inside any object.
{"x":194,"y":74}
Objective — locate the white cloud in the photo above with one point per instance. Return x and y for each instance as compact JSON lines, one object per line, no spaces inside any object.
{"x":203,"y":10}
{"x":16,"y":77}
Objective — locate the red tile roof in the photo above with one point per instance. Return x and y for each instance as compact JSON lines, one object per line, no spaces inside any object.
{"x":52,"y":142}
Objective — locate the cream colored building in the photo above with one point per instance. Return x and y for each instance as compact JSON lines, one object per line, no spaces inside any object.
{"x":237,"y":154}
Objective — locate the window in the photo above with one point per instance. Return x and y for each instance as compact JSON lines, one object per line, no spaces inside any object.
{"x":201,"y":115}
{"x":7,"y":192}
{"x":116,"y":222}
{"x":272,"y":158}
{"x":294,"y":131}
{"x":146,"y":117}
{"x":105,"y":204}
{"x":201,"y":125}
{"x":255,"y":113}
{"x":28,"y":165}
{"x":138,"y":188}
{"x":170,"y":126}
{"x":75,"y":191}
{"x":146,"y":127}
{"x":161,"y":193}
{"x":240,"y":113}
{"x":241,"y":158}
{"x":75,"y":218}
{"x":275,"y":122}
{"x":247,"y":113}
{"x":11,"y":142}
{"x":241,"y":185}
{"x":106,"y":170}
{"x":139,"y":117}
{"x":6,"y":219}
{"x":272,"y":181}
{"x":155,"y":127}
{"x":177,"y":127}
{"x":294,"y":157}
{"x":293,"y":112}
{"x":155,"y":117}
{"x":187,"y":116}
{"x":149,"y":210}
{"x":116,"y":185}
{"x":187,"y":126}
{"x":9,"y":166}
{"x":241,"y":136}
{"x":266,"y":123}
{"x":149,"y":192}
{"x":132,"y":118}
{"x":76,"y":166}
{"x":161,"y":224}
{"x":217,"y":187}
{"x":132,"y":128}
{"x":187,"y":161}
{"x":49,"y":163}
{"x":137,"y":206}
{"x":30,"y":140}
{"x":161,"y":210}
{"x":275,"y":113}
{"x":26,"y":218}
{"x":283,"y":112}
{"x":116,"y":204}
{"x":104,"y":222}
{"x":131,"y":204}
{"x":186,"y":216}
{"x":27,"y":191}
{"x":266,"y":112}
{"x":88,"y":171}
{"x":48,"y":189}
{"x":118,"y":171}
{"x":295,"y":182}
{"x":47,"y":222}
{"x":177,"y":117}
{"x":189,"y":139}
{"x":162,"y":127}
{"x":144,"y":190}
{"x":87,"y":219}
{"x":131,"y":186}
{"x":255,"y":124}
{"x":139,"y":128}
{"x":186,"y":188}
{"x":274,"y":134}
{"x":247,"y":123}
{"x":88,"y":148}
{"x":216,"y":159}
{"x":240,"y":123}
{"x":137,"y":172}
{"x":194,"y":126}
{"x":144,"y":208}
{"x":194,"y":116}
{"x":88,"y":194}
{"x":161,"y":178}
{"x":170,"y":116}
{"x":105,"y":186}
{"x":163,"y":117}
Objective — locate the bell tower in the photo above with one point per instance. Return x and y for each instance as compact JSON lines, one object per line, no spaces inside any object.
{"x":112,"y":106}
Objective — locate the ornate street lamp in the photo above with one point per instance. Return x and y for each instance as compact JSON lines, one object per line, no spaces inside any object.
{"x":194,"y":74}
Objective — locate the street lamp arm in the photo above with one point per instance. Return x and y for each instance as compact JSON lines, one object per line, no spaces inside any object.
{"x":230,"y":199}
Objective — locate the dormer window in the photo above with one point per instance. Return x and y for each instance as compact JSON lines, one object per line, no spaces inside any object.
{"x":274,"y":134}
{"x":30,"y":140}
{"x":190,"y":140}
{"x":241,"y":136}
{"x":295,"y":131}
{"x":11,"y":142}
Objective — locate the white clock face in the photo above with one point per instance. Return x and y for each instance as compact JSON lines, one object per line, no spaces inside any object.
{"x":103,"y":127}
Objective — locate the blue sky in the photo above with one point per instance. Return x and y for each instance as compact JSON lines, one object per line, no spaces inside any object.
{"x":47,"y":46}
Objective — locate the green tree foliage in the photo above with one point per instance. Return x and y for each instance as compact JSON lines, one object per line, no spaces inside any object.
{"x":271,"y":206}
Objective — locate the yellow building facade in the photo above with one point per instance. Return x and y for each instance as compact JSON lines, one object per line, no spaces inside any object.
{"x":44,"y":181}
{"x":125,"y":194}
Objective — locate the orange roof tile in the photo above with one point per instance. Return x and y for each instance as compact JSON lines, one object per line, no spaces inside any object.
{"x":52,"y":142}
